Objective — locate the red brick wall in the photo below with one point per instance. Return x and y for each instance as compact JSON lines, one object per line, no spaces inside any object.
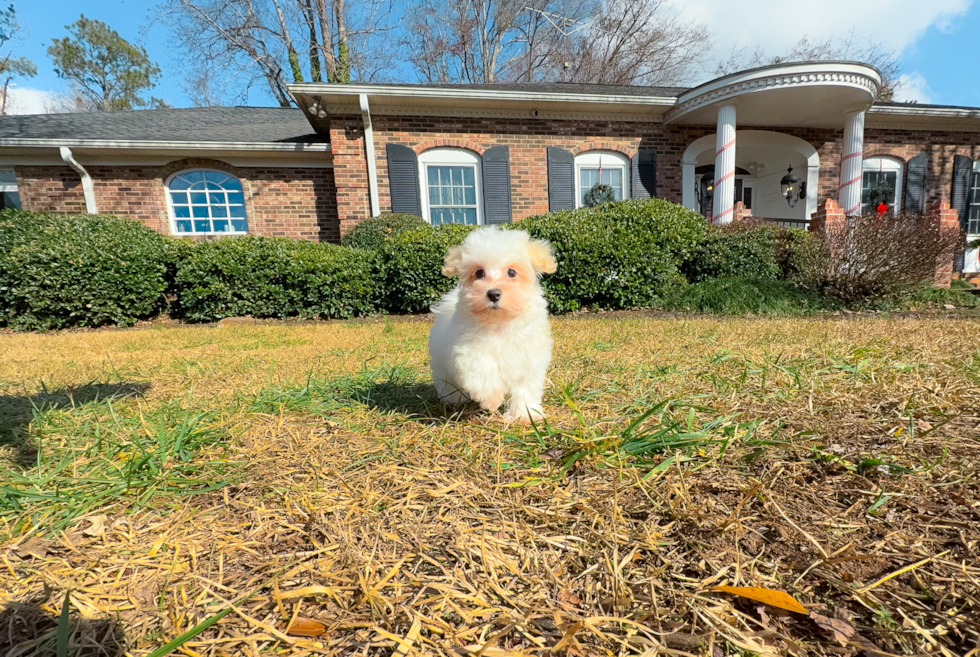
{"x":285,"y":201}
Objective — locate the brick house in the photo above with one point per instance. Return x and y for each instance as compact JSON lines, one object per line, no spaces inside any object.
{"x":777,"y":142}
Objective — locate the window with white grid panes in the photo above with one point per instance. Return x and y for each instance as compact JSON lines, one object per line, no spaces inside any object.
{"x":205,"y":202}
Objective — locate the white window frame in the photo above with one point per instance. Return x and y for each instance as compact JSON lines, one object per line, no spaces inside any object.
{"x":174,"y":218}
{"x":609,"y":160}
{"x":884,"y":163}
{"x":971,"y":259}
{"x":450,"y":157}
{"x":10,"y":187}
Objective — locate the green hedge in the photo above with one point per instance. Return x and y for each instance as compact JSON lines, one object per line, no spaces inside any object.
{"x":410,"y":264}
{"x":617,"y":255}
{"x":59,"y":271}
{"x":756,"y":250}
{"x":371,"y":233}
{"x":274,"y":277}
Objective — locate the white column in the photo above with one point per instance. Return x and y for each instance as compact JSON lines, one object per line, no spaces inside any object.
{"x":724,"y":200}
{"x":852,"y":165}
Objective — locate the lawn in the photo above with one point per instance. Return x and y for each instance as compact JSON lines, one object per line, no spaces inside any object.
{"x":305,"y":473}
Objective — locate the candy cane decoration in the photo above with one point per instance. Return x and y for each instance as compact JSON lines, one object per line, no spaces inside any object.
{"x":724,"y":200}
{"x":852,"y":165}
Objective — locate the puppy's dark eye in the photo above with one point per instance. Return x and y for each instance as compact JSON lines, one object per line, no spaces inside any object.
{"x":478,"y":274}
{"x":511,"y":273}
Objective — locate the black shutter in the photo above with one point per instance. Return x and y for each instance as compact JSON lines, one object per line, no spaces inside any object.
{"x":960,"y":196}
{"x":496,"y":185}
{"x":561,"y":179}
{"x":645,"y":174}
{"x":915,"y":184}
{"x":403,"y":179}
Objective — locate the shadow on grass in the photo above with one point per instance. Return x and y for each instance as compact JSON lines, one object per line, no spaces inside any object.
{"x":416,"y":400}
{"x":18,"y":411}
{"x":27,"y":630}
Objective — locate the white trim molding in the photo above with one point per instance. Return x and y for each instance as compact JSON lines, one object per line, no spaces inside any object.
{"x":451,"y":157}
{"x":274,"y":147}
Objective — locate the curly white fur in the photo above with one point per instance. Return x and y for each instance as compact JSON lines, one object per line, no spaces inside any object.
{"x":491,"y":339}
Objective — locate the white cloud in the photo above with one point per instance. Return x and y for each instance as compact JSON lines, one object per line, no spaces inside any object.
{"x":912,"y":86}
{"x":776,"y":26}
{"x":28,"y":101}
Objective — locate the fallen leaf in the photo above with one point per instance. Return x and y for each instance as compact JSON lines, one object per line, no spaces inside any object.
{"x":306,"y":627}
{"x":841,"y":629}
{"x":34,"y":546}
{"x":765,"y":596}
{"x":569,"y":597}
{"x":97,"y":528}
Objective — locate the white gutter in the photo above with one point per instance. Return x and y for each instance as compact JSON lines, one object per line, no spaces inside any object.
{"x":87,"y":186}
{"x":15,"y":142}
{"x":369,"y":153}
{"x":482,"y":94}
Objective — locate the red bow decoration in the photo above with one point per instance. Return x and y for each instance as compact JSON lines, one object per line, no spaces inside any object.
{"x":882,"y":208}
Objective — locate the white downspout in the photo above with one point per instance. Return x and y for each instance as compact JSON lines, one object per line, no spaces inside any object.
{"x":87,"y":186}
{"x":369,"y":152}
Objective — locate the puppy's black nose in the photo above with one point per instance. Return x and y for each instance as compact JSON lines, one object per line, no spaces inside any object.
{"x":493,"y":295}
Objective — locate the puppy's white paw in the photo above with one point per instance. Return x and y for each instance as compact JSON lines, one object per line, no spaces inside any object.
{"x":524,"y":416}
{"x":492,"y":401}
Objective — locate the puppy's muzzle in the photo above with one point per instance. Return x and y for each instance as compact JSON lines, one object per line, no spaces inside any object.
{"x":493,"y":295}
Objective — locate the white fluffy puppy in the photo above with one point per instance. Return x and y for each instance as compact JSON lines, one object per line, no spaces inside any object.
{"x":491,"y":338}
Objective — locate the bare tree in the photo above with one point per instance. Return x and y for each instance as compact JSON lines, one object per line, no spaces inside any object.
{"x":597,"y":41}
{"x":851,"y":47}
{"x":10,"y":66}
{"x":276,"y":42}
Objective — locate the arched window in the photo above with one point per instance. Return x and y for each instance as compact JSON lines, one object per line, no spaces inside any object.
{"x":608,"y":167}
{"x":206,"y":202}
{"x":451,"y":186}
{"x":881,"y":183}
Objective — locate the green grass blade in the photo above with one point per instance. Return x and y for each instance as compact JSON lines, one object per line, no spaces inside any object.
{"x":63,"y":628}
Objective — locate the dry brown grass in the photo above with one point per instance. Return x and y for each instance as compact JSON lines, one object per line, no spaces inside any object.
{"x":848,"y":479}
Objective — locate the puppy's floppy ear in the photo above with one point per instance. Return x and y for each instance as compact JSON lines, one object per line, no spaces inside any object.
{"x":542,"y":259}
{"x":454,"y":258}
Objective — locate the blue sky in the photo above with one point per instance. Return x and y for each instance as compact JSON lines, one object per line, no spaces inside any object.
{"x":936,"y":39}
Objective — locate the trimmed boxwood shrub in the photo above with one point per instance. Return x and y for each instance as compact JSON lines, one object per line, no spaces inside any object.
{"x":756,"y":250}
{"x":617,"y":255}
{"x":410,"y":265}
{"x":371,"y":233}
{"x":275,"y":277}
{"x":60,"y":271}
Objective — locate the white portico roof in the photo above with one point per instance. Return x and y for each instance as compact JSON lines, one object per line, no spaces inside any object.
{"x":816,"y":95}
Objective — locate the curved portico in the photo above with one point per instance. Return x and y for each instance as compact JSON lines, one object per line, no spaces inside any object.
{"x":817,"y":95}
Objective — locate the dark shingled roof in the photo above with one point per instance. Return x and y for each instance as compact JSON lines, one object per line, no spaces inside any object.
{"x":562,"y":88}
{"x":195,"y":124}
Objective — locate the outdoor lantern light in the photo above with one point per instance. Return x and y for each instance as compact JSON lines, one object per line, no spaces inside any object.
{"x":707,"y":188}
{"x":793,"y":188}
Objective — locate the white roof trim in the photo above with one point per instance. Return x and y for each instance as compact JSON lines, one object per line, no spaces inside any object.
{"x":913,"y":110}
{"x":473,"y":94}
{"x":16,"y":142}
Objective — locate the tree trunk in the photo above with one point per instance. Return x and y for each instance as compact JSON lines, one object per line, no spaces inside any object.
{"x":307,"y":9}
{"x":326,"y":37}
{"x":342,"y":73}
{"x":293,"y":57}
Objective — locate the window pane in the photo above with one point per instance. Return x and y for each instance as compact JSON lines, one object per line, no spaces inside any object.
{"x":183,"y":226}
{"x":179,"y":183}
{"x":236,"y":197}
{"x":199,"y":197}
{"x":239,"y":225}
{"x":470,"y":198}
{"x":216,"y":177}
{"x":202,"y":195}
{"x":468,"y":176}
{"x":178,"y":197}
{"x":237,"y":211}
{"x":216,"y":198}
{"x":202,"y":226}
{"x":469,"y":216}
{"x":220,"y":225}
{"x":434,"y":198}
{"x":11,"y":201}
{"x":433,"y":175}
{"x":219,"y":211}
{"x":200,"y":210}
{"x":193,"y":176}
{"x":182,"y":211}
{"x":436,"y":216}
